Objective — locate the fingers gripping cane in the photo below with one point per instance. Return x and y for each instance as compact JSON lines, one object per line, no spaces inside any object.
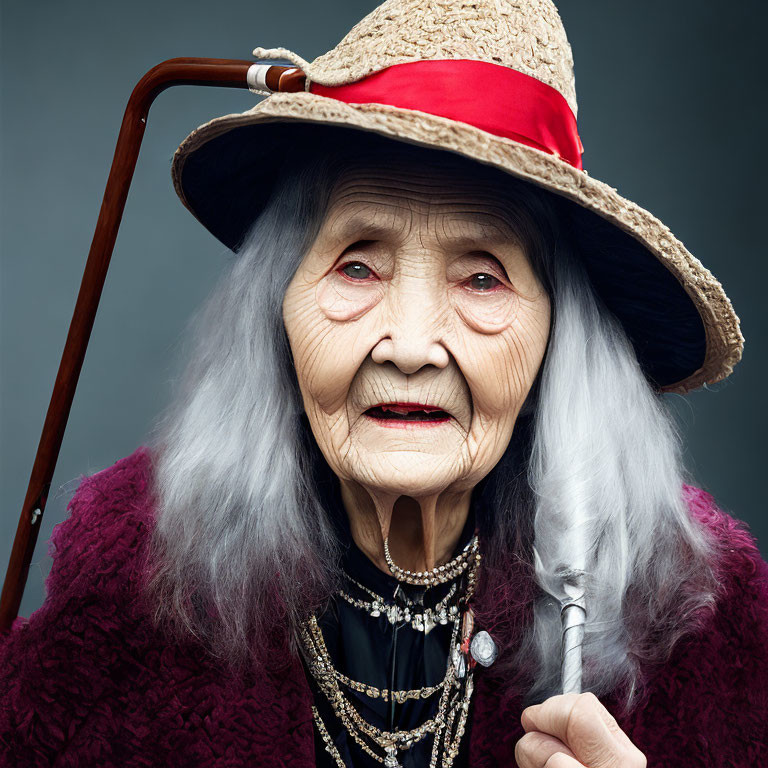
{"x":228,"y":73}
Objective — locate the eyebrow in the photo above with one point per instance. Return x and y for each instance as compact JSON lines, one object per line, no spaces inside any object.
{"x":489,"y":239}
{"x":360,"y":227}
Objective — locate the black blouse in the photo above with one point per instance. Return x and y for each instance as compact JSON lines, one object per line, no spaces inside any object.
{"x":374,"y":651}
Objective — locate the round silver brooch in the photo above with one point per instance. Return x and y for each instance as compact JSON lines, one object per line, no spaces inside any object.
{"x":483,"y":649}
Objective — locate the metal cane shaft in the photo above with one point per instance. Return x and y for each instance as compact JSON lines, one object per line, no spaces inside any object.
{"x":573,"y":637}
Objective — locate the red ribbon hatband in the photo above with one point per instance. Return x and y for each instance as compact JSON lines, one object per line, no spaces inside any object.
{"x":494,"y":98}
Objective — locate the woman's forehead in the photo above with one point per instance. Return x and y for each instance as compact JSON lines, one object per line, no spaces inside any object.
{"x":421,"y":177}
{"x":373,"y":201}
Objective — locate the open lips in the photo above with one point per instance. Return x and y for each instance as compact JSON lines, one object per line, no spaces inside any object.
{"x":393,"y":413}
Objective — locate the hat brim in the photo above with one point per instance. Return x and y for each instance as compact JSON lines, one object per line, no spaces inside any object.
{"x":680,"y":321}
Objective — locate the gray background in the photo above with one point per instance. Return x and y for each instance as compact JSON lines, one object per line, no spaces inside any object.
{"x":671,"y":112}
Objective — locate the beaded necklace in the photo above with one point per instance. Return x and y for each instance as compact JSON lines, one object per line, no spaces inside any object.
{"x":447,"y":726}
{"x":421,"y":619}
{"x":439,"y":575}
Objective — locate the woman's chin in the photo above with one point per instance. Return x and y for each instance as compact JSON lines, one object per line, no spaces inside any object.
{"x":405,"y":471}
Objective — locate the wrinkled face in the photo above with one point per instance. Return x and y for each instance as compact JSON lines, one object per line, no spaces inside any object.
{"x":417,"y":327}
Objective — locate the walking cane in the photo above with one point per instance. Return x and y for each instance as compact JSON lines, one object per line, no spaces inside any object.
{"x":228,"y":73}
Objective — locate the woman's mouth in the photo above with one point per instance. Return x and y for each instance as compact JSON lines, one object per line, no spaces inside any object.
{"x":407,"y":414}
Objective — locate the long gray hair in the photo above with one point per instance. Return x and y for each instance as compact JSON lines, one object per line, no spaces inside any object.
{"x":243,"y":548}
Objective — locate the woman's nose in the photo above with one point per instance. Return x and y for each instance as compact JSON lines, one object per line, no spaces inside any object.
{"x":413,"y":334}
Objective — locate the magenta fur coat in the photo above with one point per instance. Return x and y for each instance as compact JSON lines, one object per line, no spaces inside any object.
{"x":87,"y":681}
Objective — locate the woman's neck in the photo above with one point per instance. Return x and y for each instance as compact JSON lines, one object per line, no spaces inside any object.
{"x":423,"y":532}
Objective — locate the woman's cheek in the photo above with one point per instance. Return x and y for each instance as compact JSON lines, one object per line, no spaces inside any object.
{"x":330,"y":337}
{"x":331,"y":362}
{"x":500,"y":360}
{"x":491,"y":312}
{"x":492,"y":364}
{"x":341,"y":299}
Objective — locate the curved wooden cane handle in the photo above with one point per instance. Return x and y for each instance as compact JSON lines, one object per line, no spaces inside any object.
{"x":227,"y":73}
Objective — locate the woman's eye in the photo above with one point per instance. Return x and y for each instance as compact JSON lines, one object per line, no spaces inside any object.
{"x":482,"y":281}
{"x":356,"y":271}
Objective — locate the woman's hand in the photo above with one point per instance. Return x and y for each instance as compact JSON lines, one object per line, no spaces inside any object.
{"x":574,"y":731}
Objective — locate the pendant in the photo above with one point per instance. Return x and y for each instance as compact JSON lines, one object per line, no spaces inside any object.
{"x":483,"y":649}
{"x":459,"y":663}
{"x":391,"y":761}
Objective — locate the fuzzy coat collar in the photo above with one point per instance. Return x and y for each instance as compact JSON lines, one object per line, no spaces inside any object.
{"x":85,"y":681}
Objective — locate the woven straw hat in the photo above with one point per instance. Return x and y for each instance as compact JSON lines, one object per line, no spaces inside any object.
{"x":491,"y":80}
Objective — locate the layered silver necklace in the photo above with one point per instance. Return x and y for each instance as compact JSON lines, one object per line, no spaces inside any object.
{"x":448,"y":724}
{"x":422,"y":619}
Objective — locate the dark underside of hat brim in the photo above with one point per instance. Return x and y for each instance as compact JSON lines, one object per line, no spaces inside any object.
{"x":228,"y":179}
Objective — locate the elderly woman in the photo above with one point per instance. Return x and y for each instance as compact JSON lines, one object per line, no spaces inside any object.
{"x":419,"y":448}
